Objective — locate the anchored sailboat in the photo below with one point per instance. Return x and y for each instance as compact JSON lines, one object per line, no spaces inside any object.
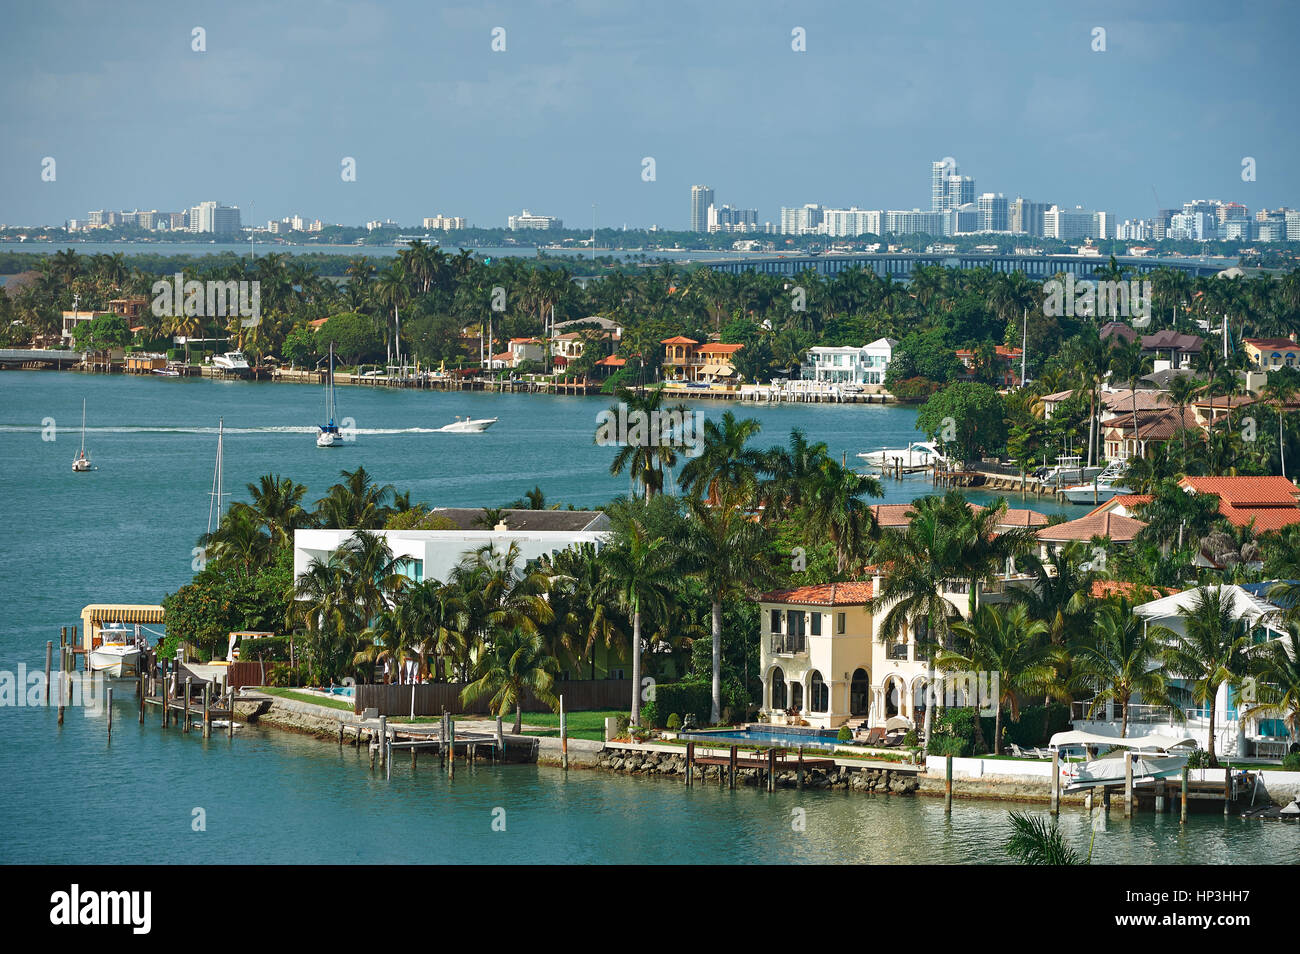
{"x":82,"y":463}
{"x":330,"y":435}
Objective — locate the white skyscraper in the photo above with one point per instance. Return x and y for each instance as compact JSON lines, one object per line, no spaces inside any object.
{"x":701,"y":199}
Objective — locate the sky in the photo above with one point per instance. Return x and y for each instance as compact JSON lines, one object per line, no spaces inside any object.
{"x":438,"y":121}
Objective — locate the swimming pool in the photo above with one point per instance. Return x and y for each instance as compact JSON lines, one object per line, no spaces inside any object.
{"x":788,"y":736}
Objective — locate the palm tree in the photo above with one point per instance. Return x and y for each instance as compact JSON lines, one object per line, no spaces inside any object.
{"x":513,"y":664}
{"x":1276,"y":675}
{"x":725,"y":465}
{"x":324,"y":604}
{"x":1037,"y":841}
{"x":639,"y":574}
{"x":790,"y":471}
{"x":1007,"y":644}
{"x":277,"y":504}
{"x":644,"y":459}
{"x":575,"y":575}
{"x":924,"y":561}
{"x":833,"y":500}
{"x":1121,"y":659}
{"x":1215,"y":649}
{"x":375,"y":574}
{"x":501,"y":595}
{"x":356,"y":504}
{"x":722,"y":548}
{"x":239,"y":540}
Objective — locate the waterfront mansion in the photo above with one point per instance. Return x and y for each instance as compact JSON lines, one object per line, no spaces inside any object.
{"x":823,"y":661}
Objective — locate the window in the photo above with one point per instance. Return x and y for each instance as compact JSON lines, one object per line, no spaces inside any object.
{"x":815,"y":627}
{"x":794,"y":621}
{"x":776,"y":621}
{"x":616,"y":674}
{"x":819,"y":694}
{"x":839,"y":623}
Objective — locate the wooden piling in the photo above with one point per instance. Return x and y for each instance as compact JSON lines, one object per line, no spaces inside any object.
{"x":947,"y":784}
{"x":140,"y":693}
{"x":771,"y":770}
{"x":451,"y":746}
{"x":1183,"y":813}
{"x":49,"y":661}
{"x":690,"y":762}
{"x":207,"y":710}
{"x":1128,"y":784}
{"x":564,"y":737}
{"x":1161,"y":785}
{"x":230,"y":721}
{"x":798,"y":772}
{"x":108,"y":702}
{"x":1227,"y":789}
{"x":1056,"y":782}
{"x":731,"y":767}
{"x":383,"y":740}
{"x":501,"y":739}
{"x":166,"y":694}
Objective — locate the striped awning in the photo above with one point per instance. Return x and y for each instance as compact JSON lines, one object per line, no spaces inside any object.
{"x":122,"y":613}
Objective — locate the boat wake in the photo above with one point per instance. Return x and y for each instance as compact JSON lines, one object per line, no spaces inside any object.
{"x":159,"y":429}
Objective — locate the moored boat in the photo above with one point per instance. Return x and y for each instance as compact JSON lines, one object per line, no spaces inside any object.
{"x":117,"y":654}
{"x":914,"y":455}
{"x":1105,"y":485}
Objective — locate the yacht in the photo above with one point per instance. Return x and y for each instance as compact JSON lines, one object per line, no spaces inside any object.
{"x":1102,"y":487}
{"x":915,"y":455}
{"x":231,"y":361}
{"x":118,"y":653}
{"x":1153,"y":757}
{"x":468,"y":425}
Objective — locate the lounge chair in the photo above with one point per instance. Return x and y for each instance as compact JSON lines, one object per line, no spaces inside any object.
{"x":894,"y":739}
{"x":874,"y":736}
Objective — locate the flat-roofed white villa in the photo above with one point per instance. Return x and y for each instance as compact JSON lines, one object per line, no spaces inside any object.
{"x":433,"y":554}
{"x":823,"y":661}
{"x":864,"y":366}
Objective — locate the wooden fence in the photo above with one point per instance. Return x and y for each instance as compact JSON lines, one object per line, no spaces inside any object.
{"x":432,"y":698}
{"x":242,"y":674}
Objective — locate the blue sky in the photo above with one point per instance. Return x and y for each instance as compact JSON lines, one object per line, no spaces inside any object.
{"x":438,"y":122}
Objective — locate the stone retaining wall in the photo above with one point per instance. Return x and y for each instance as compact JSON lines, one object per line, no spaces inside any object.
{"x":672,"y":764}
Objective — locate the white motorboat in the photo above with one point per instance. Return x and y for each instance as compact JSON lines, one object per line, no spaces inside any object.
{"x":167,"y":372}
{"x":1102,"y":487}
{"x":1154,"y":757}
{"x":118,"y":653}
{"x":468,"y":425}
{"x":329,"y":434}
{"x":917,"y":454}
{"x":231,"y":361}
{"x":81,"y":463}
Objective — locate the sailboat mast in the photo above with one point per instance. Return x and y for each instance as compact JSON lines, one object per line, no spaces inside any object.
{"x":83,"y":427}
{"x":214,"y":503}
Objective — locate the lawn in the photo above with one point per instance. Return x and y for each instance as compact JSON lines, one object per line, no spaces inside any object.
{"x":582,"y":725}
{"x":308,"y":698}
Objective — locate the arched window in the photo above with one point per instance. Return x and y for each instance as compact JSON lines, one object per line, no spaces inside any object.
{"x":796,"y":695}
{"x":819,"y":694}
{"x":778,"y":689}
{"x":860,"y":693}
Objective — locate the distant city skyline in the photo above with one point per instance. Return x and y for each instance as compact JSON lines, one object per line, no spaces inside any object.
{"x":269,"y":114}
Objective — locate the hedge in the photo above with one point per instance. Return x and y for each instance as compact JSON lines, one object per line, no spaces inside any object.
{"x":695,"y":698}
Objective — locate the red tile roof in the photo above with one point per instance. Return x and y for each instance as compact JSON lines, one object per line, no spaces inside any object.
{"x":900,"y":515}
{"x":679,"y":340}
{"x":1280,"y":344}
{"x":1271,"y":502}
{"x":1118,"y":529}
{"x":720,"y":348}
{"x":1101,"y":589}
{"x":610,"y":361}
{"x":823,"y":594}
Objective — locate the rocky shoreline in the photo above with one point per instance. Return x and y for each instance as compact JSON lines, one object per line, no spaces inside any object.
{"x":884,"y":781}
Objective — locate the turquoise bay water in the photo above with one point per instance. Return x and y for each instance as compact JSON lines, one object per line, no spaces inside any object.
{"x":124,"y":534}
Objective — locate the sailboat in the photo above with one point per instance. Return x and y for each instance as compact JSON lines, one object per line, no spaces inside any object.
{"x":330,"y":435}
{"x":81,"y":464}
{"x":218,"y":475}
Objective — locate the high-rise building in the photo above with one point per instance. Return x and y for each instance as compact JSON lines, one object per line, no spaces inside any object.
{"x":993,"y":212}
{"x":726,"y":219}
{"x":445,"y":223}
{"x":1292,"y":219}
{"x":961,"y":191}
{"x":938,"y":186}
{"x":1069,"y":225}
{"x":900,"y":222}
{"x":1025,"y":217}
{"x":701,"y":199}
{"x":805,"y":220}
{"x":528,"y":220}
{"x":848,"y":223}
{"x":213,"y":218}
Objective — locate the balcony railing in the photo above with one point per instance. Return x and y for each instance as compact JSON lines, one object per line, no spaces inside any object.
{"x":789,"y":645}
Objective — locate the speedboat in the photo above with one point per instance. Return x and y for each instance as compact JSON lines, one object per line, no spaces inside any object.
{"x":118,"y":653}
{"x":1104,"y":486}
{"x":231,"y":361}
{"x":915,"y":454}
{"x":468,"y":425}
{"x":167,"y":372}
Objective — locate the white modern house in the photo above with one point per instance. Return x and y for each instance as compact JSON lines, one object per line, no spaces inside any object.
{"x":433,"y":554}
{"x":864,"y":366}
{"x":1236,"y":733}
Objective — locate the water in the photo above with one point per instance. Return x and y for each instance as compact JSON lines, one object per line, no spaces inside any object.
{"x":124,"y":533}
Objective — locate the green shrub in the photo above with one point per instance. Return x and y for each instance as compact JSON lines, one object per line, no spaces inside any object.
{"x":909,"y":739}
{"x":674,"y":721}
{"x":697,"y":699}
{"x":1291,"y":763}
{"x":650,"y":715}
{"x":951,"y":745}
{"x":845,"y":734}
{"x":1199,"y":758}
{"x":622,"y":724}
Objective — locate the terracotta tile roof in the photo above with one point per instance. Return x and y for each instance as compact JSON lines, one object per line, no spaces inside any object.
{"x":823,"y":594}
{"x":1130,"y":591}
{"x":900,"y":515}
{"x":679,"y":340}
{"x":1280,"y":344}
{"x":1223,"y":402}
{"x":1272,"y":502}
{"x":720,"y":348}
{"x":610,"y":361}
{"x":892,"y":515}
{"x":1158,"y":424}
{"x":1118,"y":529}
{"x":1128,"y":502}
{"x":317,"y":322}
{"x":1017,"y":517}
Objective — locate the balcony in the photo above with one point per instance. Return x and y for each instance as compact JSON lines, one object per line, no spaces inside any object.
{"x":783,"y":645}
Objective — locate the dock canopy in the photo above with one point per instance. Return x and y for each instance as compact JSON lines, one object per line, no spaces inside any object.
{"x":94,"y":616}
{"x":1165,"y":742}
